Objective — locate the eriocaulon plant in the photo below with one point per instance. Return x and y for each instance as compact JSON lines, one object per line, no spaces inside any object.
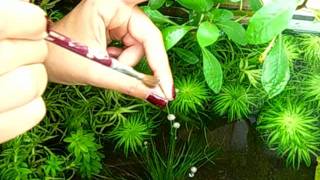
{"x":234,"y":101}
{"x":192,"y":94}
{"x":290,"y":127}
{"x":131,"y":133}
{"x":311,"y":89}
{"x":311,"y":47}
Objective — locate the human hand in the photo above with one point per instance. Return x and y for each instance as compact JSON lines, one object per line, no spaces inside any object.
{"x":97,"y":22}
{"x":23,"y":77}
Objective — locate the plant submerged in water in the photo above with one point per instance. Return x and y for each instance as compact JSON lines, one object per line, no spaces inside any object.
{"x":291,"y":129}
{"x":311,"y":47}
{"x":312,"y":88}
{"x":233,"y":101}
{"x":191,"y":95}
{"x":131,"y":133}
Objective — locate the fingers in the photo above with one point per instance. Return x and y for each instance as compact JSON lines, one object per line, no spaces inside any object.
{"x":21,"y":86}
{"x":144,"y":31}
{"x":76,"y":69}
{"x":114,"y":51}
{"x":133,"y":52}
{"x":21,"y":20}
{"x":18,"y":121}
{"x":15,"y":53}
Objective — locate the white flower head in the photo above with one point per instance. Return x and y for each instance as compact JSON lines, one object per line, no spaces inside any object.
{"x":171,"y":117}
{"x":191,"y":175}
{"x":193,"y":169}
{"x":177,"y":90}
{"x":176,"y":125}
{"x":145,"y":143}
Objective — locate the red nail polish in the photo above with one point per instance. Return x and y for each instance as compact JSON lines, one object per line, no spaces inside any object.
{"x":173,"y":92}
{"x":157,"y":100}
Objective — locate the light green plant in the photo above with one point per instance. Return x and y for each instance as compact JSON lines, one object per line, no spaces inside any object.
{"x":131,"y":133}
{"x":311,"y":47}
{"x":53,"y":165}
{"x":292,"y":130}
{"x":291,"y":47}
{"x":84,"y":149}
{"x":234,"y":101}
{"x":192,"y":94}
{"x":311,"y":89}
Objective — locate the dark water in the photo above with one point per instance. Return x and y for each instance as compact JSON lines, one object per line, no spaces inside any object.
{"x":245,"y":157}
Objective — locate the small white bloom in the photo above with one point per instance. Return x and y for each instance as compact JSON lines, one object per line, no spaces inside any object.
{"x":171,"y":117}
{"x":191,"y":175}
{"x":193,"y":169}
{"x":177,"y":90}
{"x":176,"y":125}
{"x":145,"y":143}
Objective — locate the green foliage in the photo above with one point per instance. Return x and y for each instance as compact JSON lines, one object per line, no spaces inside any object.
{"x":199,"y":5}
{"x":131,"y":134}
{"x":53,"y":165}
{"x":187,"y":56}
{"x":270,"y":21}
{"x":235,"y":101}
{"x":311,"y":89}
{"x":207,"y":34}
{"x":291,"y":128}
{"x":212,"y":71}
{"x":191,"y":96}
{"x":156,"y":4}
{"x":234,"y":31}
{"x":311,"y":47}
{"x":173,"y":34}
{"x":84,"y":149}
{"x":276,"y":70}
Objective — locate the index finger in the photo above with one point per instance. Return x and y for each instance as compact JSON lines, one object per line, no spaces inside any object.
{"x":21,"y":20}
{"x":143,"y":30}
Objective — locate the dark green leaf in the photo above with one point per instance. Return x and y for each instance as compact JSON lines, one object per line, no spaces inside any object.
{"x":255,"y":4}
{"x":234,"y":31}
{"x":187,"y":56}
{"x":197,"y":5}
{"x":207,"y":34}
{"x":220,"y":15}
{"x":270,"y":21}
{"x":156,"y":16}
{"x":173,"y":34}
{"x":276,"y":71}
{"x":212,"y":71}
{"x":156,"y":4}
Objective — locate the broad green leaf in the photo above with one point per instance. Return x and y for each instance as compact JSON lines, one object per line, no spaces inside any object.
{"x":256,"y":4}
{"x":270,"y":21}
{"x":156,"y":4}
{"x":212,"y":71}
{"x":197,"y":5}
{"x":173,"y":34}
{"x":156,"y":16}
{"x":276,"y":70}
{"x":187,"y":56}
{"x":207,"y":34}
{"x":234,"y":31}
{"x":220,"y":15}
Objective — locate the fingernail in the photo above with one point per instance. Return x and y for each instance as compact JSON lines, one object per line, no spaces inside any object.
{"x":173,"y":92}
{"x":157,"y":100}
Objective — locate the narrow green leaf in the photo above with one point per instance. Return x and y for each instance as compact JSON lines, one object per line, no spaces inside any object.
{"x":212,"y":71}
{"x":156,"y":16}
{"x":156,"y":4}
{"x":187,"y":56}
{"x":276,"y":70}
{"x":173,"y":34}
{"x":207,"y":34}
{"x":270,"y":21}
{"x":197,"y":5}
{"x":255,"y":4}
{"x":234,"y":31}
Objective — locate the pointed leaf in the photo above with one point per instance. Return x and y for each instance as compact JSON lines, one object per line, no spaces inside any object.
{"x":207,"y":34}
{"x":220,"y":15}
{"x":187,"y":56}
{"x":156,"y":16}
{"x":212,"y":71}
{"x":234,"y":31}
{"x":197,"y":5}
{"x":255,"y":4}
{"x":270,"y":21}
{"x":275,"y":71}
{"x":173,"y":34}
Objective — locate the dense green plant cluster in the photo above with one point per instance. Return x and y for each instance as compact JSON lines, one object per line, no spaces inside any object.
{"x":220,"y":69}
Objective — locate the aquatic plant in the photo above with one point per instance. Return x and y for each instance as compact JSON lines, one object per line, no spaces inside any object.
{"x":53,"y":165}
{"x":234,"y":101}
{"x":84,"y":149}
{"x":311,"y":48}
{"x":291,"y":129}
{"x":192,"y":94}
{"x":311,"y":89}
{"x":291,"y":48}
{"x":131,"y":134}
